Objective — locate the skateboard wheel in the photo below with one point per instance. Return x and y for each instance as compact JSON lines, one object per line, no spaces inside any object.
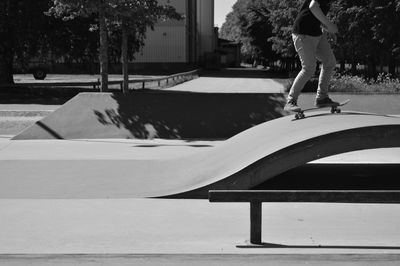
{"x":299,"y":115}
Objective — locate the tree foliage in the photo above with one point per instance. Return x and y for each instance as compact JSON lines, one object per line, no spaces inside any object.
{"x":263,"y":27}
{"x":368,"y":30}
{"x":128,"y":18}
{"x":27,"y":33}
{"x":248,"y":24}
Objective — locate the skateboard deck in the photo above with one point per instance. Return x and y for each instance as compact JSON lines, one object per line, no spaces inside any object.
{"x":334,"y":109}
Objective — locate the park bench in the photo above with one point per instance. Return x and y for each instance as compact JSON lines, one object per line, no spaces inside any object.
{"x":257,"y":197}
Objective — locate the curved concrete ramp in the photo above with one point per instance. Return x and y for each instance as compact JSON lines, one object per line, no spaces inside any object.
{"x":241,"y":162}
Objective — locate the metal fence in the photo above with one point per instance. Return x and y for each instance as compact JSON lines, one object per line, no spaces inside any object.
{"x":167,"y":80}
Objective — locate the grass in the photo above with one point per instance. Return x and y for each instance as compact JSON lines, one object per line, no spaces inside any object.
{"x":384,"y":83}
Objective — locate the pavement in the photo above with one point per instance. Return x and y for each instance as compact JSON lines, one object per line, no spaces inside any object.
{"x":232,"y":85}
{"x":176,"y":226}
{"x":160,"y":226}
{"x":122,"y":231}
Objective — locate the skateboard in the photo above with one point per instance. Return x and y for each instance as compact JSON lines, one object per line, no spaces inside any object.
{"x":334,"y":109}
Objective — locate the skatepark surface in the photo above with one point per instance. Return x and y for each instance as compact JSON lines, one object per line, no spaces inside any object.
{"x":84,"y":199}
{"x":71,"y":224}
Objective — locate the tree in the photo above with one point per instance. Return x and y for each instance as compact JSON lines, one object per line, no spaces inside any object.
{"x":248,"y":24}
{"x":353,"y":42}
{"x":368,"y":33}
{"x":126,"y":15}
{"x":21,"y":34}
{"x":230,"y":29}
{"x":282,"y":16}
{"x":233,"y":28}
{"x":70,"y":9}
{"x":385,"y":31}
{"x":27,"y":33}
{"x":7,"y":38}
{"x":259,"y":30}
{"x":263,"y":27}
{"x":132,"y":19}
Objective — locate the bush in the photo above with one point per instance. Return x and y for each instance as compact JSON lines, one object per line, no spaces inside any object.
{"x":348,"y":83}
{"x":384,"y":83}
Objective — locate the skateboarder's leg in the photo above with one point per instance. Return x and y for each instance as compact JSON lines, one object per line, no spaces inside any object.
{"x":306,"y":47}
{"x":328,"y":60}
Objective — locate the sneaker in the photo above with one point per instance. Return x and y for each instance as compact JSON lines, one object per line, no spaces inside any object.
{"x":325,"y":102}
{"x":292,"y":106}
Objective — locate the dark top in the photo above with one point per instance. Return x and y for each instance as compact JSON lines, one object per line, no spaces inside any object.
{"x":306,"y":23}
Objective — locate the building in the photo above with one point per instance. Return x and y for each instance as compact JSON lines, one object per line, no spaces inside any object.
{"x":182,"y":43}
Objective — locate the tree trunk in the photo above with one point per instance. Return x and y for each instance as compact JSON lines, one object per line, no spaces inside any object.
{"x":342,"y":66}
{"x":6,"y":65}
{"x":124,"y":58}
{"x":6,"y":45}
{"x":371,"y":68}
{"x":354,"y":67}
{"x":103,"y":57}
{"x":392,"y":65}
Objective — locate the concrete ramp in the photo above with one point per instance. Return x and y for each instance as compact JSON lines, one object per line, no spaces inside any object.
{"x":241,"y":162}
{"x":157,"y":114}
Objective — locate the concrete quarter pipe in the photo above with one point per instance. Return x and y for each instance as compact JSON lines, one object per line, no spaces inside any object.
{"x":240,"y":162}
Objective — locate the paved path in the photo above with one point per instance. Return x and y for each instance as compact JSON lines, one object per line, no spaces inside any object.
{"x":159,"y":226}
{"x":232,"y":85}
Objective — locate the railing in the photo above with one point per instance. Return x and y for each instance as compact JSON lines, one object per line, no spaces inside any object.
{"x":172,"y":77}
{"x":96,"y":84}
{"x":257,"y":197}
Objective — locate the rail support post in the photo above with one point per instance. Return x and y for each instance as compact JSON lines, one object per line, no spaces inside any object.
{"x":255,"y":222}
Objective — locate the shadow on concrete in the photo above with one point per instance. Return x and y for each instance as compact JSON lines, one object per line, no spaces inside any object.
{"x":39,"y":95}
{"x":160,"y":145}
{"x":49,"y":130}
{"x":148,"y":114}
{"x":243,"y":73}
{"x":273,"y":245}
{"x":185,"y":115}
{"x":332,"y":176}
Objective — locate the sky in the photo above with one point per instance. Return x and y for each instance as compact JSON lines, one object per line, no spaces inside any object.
{"x":222,"y":8}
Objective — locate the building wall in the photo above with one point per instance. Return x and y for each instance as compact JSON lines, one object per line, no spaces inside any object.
{"x":167,"y":43}
{"x":164,"y":44}
{"x":184,"y":41}
{"x":205,"y":22}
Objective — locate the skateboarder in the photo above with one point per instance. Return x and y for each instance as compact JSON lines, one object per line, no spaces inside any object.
{"x":311,"y":43}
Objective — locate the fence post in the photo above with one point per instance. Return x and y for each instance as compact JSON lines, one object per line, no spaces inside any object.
{"x":255,"y":222}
